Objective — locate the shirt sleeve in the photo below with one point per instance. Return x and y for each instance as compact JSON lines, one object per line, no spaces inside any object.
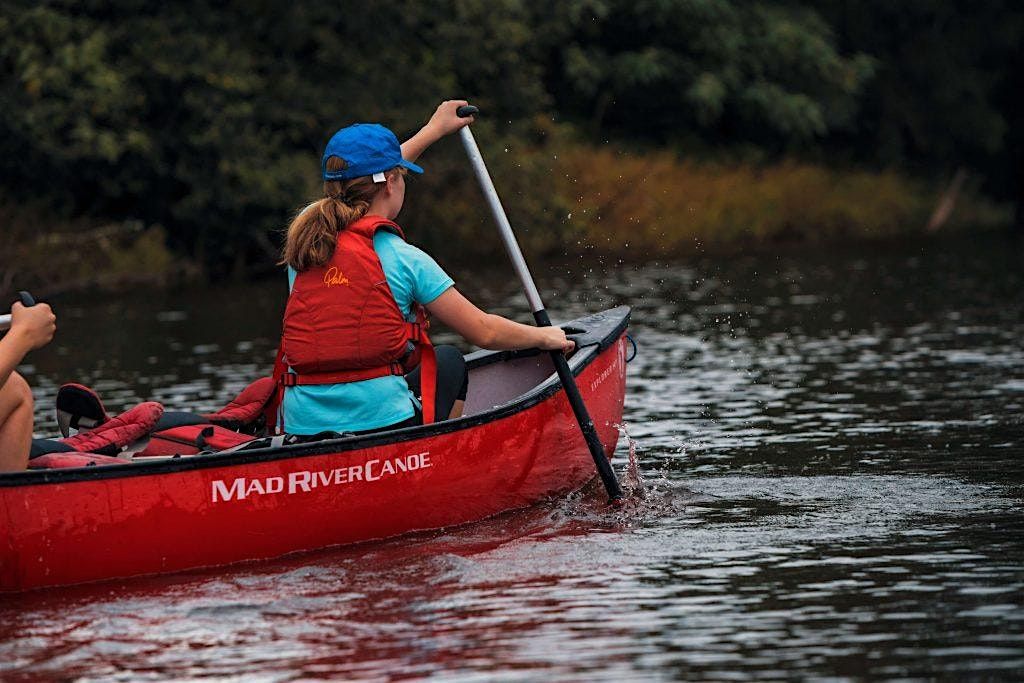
{"x":429,"y":280}
{"x":414,"y":277}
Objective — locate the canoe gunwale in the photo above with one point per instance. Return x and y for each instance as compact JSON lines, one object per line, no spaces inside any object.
{"x":603,"y":329}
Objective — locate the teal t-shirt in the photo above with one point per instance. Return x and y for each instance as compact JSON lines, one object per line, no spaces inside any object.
{"x":414,"y":278}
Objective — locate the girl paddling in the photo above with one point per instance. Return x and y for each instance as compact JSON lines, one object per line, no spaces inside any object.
{"x":353,"y":328}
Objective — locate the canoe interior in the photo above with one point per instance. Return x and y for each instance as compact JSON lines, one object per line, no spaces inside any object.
{"x":498,"y":383}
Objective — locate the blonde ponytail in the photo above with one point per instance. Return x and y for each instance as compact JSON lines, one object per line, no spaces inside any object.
{"x":313,"y":233}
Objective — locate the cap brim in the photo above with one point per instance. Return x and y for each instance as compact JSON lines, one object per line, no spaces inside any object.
{"x":411,"y":166}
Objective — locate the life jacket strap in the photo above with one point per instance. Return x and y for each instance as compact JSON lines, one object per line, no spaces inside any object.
{"x":273,"y":416}
{"x":428,"y":364}
{"x":428,"y":380}
{"x":290,"y":379}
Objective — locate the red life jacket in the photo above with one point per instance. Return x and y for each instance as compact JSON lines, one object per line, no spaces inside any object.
{"x":342,"y":324}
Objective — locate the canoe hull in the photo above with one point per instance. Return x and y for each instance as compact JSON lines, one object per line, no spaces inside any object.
{"x":145,"y":523}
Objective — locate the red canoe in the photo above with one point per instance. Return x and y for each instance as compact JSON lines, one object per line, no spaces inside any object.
{"x":518,"y":443}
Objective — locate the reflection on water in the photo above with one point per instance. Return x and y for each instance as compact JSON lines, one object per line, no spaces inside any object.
{"x":830,"y":448}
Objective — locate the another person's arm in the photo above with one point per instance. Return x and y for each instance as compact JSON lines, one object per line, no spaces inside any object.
{"x":444,"y":122}
{"x":30,"y":328}
{"x":490,"y":331}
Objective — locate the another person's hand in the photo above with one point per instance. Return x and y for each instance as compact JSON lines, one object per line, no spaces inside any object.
{"x":34,"y":325}
{"x":554,"y":339}
{"x":446,"y":121}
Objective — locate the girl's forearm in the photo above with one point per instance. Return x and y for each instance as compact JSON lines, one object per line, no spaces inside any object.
{"x":504,"y":334}
{"x":445,"y":120}
{"x":417,"y":144}
{"x":12,"y":351}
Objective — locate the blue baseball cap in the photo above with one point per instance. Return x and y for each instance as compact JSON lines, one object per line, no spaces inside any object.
{"x":367,"y":148}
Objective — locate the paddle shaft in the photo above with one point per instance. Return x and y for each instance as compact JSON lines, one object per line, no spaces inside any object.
{"x":572,"y":392}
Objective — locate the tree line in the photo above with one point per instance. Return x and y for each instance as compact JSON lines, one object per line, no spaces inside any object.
{"x":208,"y":119}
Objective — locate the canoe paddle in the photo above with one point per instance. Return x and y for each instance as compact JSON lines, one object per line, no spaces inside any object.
{"x":604,"y":468}
{"x":26,"y":301}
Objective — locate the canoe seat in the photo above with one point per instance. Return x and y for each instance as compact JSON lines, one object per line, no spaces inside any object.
{"x":246,"y":410}
{"x":190,"y":434}
{"x":118,"y":432}
{"x":147,"y":430}
{"x":185,"y":433}
{"x":108,"y":439}
{"x":80,"y":408}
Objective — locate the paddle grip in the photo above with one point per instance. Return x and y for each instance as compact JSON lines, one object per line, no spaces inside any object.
{"x":26,"y":300}
{"x":466,"y":111}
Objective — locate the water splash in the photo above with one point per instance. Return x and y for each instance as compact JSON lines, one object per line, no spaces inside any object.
{"x":633,"y":482}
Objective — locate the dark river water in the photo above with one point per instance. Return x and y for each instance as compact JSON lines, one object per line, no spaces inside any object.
{"x":831,"y":448}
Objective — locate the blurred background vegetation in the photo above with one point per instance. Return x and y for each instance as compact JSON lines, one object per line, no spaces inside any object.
{"x":159,"y":141}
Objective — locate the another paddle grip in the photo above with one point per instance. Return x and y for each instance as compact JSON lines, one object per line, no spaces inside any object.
{"x":466,"y":111}
{"x":26,"y":300}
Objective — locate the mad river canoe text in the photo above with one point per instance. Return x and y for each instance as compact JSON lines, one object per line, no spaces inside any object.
{"x":307,"y":480}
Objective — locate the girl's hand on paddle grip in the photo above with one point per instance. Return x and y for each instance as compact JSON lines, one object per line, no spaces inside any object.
{"x":445,"y":121}
{"x":554,"y":339}
{"x":34,"y":325}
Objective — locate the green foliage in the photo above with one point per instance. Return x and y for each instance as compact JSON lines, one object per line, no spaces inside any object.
{"x":208,"y":119}
{"x":766,"y":72}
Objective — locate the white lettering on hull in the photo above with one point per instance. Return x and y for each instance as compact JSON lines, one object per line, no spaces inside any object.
{"x":305,"y":481}
{"x":618,"y":367}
